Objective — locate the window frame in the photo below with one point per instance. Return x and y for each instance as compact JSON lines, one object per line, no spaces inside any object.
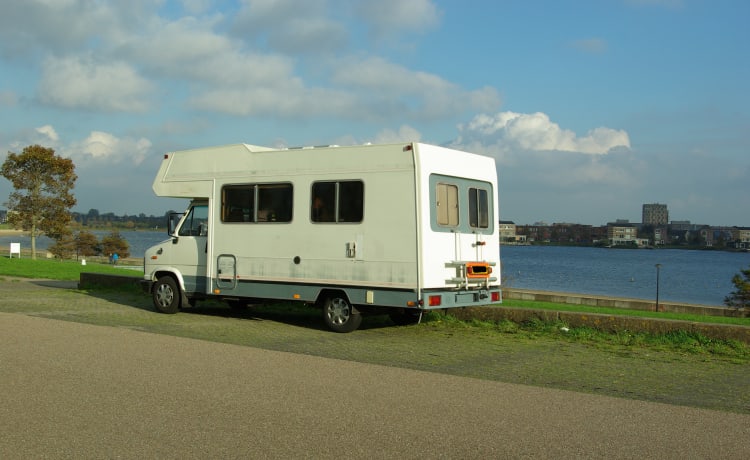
{"x":464,"y":185}
{"x":323,"y":213}
{"x":251,"y":209}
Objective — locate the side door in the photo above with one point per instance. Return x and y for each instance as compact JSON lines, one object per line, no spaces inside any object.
{"x":190,"y":247}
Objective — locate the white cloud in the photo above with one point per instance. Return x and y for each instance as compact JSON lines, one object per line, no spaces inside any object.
{"x":397,"y":90}
{"x":535,"y":132}
{"x":196,"y":6}
{"x":106,"y":148}
{"x":387,"y":17}
{"x":291,"y":26}
{"x":83,"y":82}
{"x":49,"y":132}
{"x":404,"y":134}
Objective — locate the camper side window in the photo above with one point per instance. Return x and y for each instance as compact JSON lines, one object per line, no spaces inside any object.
{"x":478,"y":208}
{"x":256,"y":203}
{"x":337,"y":202}
{"x":447,"y":204}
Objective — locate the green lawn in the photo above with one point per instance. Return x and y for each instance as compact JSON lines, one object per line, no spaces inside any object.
{"x":59,"y":269}
{"x":71,"y":270}
{"x":626,"y":312}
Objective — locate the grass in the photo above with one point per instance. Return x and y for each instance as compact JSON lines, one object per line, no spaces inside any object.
{"x":682,"y":342}
{"x":64,"y":270}
{"x":625,"y":312}
{"x":71,"y":271}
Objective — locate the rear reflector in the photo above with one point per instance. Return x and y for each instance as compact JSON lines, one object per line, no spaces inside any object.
{"x":495,"y":296}
{"x":435,"y":301}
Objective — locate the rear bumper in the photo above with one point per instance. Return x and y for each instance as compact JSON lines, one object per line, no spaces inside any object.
{"x":437,"y":299}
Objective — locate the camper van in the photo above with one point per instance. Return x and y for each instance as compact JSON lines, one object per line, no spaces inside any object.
{"x":394,"y":229}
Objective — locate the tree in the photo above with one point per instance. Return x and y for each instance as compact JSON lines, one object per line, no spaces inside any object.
{"x":42,"y":199}
{"x":64,"y":246}
{"x":86,"y":244}
{"x":740,"y":298}
{"x":114,"y":243}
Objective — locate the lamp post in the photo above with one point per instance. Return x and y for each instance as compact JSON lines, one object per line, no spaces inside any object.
{"x":658,"y":266}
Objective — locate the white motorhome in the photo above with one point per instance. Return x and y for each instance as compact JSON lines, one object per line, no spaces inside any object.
{"x":398,"y":229}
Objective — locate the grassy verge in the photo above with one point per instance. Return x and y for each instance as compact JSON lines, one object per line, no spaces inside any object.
{"x":71,"y":270}
{"x":67,"y":270}
{"x":625,"y":312}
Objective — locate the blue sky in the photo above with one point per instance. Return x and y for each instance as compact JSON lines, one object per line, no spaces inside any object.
{"x":590,"y":108}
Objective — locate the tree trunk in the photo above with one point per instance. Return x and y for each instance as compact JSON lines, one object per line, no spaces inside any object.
{"x":33,"y":242}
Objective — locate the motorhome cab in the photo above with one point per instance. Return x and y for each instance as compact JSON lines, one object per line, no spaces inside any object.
{"x":397,"y":229}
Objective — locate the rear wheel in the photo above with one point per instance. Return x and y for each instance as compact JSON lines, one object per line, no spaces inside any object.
{"x":339,"y":315}
{"x":166,"y":295}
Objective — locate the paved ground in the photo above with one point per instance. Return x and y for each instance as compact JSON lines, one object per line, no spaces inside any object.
{"x":70,"y":390}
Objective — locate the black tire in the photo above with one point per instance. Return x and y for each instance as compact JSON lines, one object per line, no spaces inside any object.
{"x":339,"y":315}
{"x":405,"y":318}
{"x":166,"y":295}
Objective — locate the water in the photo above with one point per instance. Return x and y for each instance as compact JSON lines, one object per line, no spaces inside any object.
{"x":700,"y":277}
{"x":139,"y":241}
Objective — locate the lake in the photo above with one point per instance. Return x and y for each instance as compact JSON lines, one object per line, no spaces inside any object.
{"x":700,"y":277}
{"x":139,"y":241}
{"x":691,"y":276}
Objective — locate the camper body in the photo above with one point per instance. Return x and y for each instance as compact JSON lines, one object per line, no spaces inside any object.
{"x":398,"y":228}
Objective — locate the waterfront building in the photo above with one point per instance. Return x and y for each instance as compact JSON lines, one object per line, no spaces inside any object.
{"x":655,"y":214}
{"x":741,"y":237}
{"x":508,"y":231}
{"x":624,"y":233}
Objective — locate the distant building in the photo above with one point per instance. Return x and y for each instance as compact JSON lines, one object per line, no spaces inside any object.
{"x":3,"y":216}
{"x":622,"y":233}
{"x":655,"y":214}
{"x":741,"y":237}
{"x":507,"y":231}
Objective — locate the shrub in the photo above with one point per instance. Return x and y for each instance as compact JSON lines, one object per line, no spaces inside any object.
{"x":740,"y":298}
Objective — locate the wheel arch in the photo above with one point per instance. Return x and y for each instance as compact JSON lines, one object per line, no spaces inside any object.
{"x":159,"y":272}
{"x":326,"y":293}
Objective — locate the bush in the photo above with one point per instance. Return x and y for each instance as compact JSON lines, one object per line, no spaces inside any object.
{"x":740,"y":298}
{"x":114,"y":243}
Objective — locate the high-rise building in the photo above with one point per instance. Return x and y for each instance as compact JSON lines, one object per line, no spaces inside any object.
{"x":655,"y":214}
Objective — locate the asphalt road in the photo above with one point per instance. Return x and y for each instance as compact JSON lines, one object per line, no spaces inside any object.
{"x":70,"y":390}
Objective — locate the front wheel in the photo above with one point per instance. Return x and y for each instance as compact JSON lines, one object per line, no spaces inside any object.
{"x":166,"y":295}
{"x":339,"y":315}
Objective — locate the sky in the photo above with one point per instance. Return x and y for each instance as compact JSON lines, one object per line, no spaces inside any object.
{"x":591,"y":108}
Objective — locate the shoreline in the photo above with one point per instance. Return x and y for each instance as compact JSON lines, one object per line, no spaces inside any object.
{"x":11,"y":232}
